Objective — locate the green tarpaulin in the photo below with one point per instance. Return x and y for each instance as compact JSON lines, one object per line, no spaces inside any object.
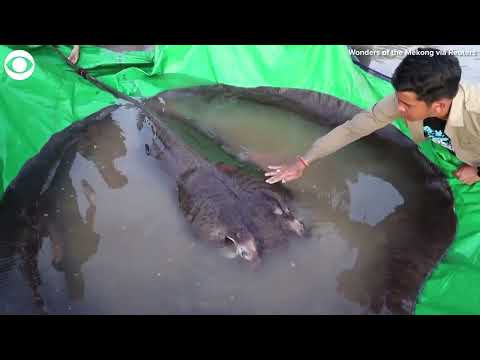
{"x":54,"y":96}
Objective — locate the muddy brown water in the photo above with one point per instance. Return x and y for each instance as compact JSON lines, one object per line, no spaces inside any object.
{"x":133,"y":253}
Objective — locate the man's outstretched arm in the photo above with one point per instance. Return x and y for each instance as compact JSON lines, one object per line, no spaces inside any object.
{"x":361,"y":125}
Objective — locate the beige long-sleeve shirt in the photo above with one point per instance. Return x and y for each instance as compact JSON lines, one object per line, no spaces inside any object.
{"x":462,"y":127}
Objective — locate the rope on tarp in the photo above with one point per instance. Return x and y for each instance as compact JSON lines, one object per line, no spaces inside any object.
{"x":84,"y":73}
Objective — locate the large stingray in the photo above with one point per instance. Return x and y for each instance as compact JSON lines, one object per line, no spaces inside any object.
{"x":227,"y":206}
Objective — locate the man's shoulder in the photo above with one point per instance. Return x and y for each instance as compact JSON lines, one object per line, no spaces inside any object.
{"x":471,"y":93}
{"x":387,"y":106}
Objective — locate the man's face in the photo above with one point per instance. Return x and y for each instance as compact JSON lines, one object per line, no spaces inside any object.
{"x":410,"y":108}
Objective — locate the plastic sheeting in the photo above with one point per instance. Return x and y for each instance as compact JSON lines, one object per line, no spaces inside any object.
{"x":54,"y":96}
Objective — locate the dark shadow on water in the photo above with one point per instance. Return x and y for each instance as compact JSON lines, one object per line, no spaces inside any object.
{"x":54,"y":212}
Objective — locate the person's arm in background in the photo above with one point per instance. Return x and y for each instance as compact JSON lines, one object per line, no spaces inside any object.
{"x":74,"y":54}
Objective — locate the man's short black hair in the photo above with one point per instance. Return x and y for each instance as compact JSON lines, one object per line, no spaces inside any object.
{"x":429,"y":73}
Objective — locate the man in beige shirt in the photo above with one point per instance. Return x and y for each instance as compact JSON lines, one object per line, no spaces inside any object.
{"x":429,"y":96}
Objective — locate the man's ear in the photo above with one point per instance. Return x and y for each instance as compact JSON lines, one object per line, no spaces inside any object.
{"x":440,"y":106}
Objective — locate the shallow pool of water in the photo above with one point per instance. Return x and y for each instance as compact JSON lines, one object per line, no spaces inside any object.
{"x":128,"y":249}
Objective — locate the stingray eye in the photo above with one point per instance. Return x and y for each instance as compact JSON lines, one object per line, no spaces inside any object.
{"x":243,"y":253}
{"x":230,"y":249}
{"x":230,"y":241}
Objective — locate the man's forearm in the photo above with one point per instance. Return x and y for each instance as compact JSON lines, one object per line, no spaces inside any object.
{"x":361,"y":125}
{"x":331,"y":142}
